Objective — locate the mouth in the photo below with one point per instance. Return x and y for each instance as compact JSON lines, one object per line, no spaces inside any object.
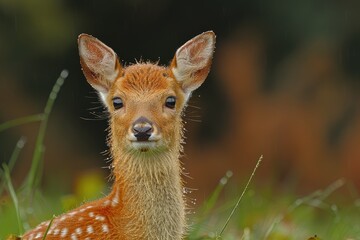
{"x":143,"y":146}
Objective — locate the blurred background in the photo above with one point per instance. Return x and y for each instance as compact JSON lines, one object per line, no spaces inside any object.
{"x":285,"y":84}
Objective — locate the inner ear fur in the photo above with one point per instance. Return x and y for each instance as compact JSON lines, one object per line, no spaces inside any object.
{"x":192,"y":61}
{"x":99,"y":63}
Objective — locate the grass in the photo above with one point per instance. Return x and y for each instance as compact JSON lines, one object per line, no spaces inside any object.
{"x":48,"y":228}
{"x":240,"y":198}
{"x":13,"y":195}
{"x":27,"y":192}
{"x":248,"y":213}
{"x":35,"y":173}
{"x":329,"y":213}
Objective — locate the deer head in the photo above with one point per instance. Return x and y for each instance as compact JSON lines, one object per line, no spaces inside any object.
{"x":146,"y":101}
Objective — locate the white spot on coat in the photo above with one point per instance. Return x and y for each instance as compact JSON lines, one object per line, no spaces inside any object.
{"x":107,"y":202}
{"x":105,"y":228}
{"x":56,"y":231}
{"x":89,"y":229}
{"x":100,"y":218}
{"x":78,"y":231}
{"x":38,"y":235}
{"x":64,"y":232}
{"x":73,"y":213}
{"x":73,"y":236}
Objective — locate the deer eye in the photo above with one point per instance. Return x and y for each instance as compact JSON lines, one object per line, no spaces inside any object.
{"x":118,"y":103}
{"x":170,"y":102}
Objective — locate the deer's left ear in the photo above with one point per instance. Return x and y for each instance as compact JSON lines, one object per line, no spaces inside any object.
{"x":192,"y":61}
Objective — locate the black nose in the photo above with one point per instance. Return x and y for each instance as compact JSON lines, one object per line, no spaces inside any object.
{"x":142,"y":129}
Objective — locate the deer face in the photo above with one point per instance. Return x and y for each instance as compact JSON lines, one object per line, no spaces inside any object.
{"x":145,"y":101}
{"x":145,"y":105}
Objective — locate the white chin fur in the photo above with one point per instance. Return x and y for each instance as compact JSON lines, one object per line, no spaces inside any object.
{"x":144,"y":146}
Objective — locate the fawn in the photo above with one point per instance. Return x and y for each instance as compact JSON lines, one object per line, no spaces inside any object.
{"x":145,"y":102}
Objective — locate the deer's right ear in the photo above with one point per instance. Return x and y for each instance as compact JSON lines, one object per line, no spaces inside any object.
{"x":99,"y":63}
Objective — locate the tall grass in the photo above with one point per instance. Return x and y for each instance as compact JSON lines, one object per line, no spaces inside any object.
{"x":330,"y":213}
{"x":14,"y":198}
{"x":241,"y":197}
{"x":34,"y":174}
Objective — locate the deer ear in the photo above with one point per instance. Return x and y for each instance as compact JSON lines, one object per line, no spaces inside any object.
{"x":99,"y":63}
{"x":192,"y":61}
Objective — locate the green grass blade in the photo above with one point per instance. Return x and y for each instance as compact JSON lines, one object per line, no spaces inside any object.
{"x":14,"y":156}
{"x":318,"y":196}
{"x":48,"y":228}
{"x":21,"y":121}
{"x":13,"y":197}
{"x":209,"y":205}
{"x":34,"y":173}
{"x":241,"y":196}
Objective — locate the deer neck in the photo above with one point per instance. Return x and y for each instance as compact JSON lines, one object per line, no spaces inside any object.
{"x":149,"y":190}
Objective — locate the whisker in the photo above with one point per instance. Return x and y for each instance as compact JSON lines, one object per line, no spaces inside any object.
{"x":91,"y":119}
{"x":193,"y":106}
{"x":98,"y":116}
{"x":95,"y":108}
{"x":92,"y":97}
{"x":187,"y":175}
{"x":97,"y":102}
{"x":192,"y":115}
{"x":194,"y":120}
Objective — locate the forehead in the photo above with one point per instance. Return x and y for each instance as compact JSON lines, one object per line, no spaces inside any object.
{"x":145,"y":78}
